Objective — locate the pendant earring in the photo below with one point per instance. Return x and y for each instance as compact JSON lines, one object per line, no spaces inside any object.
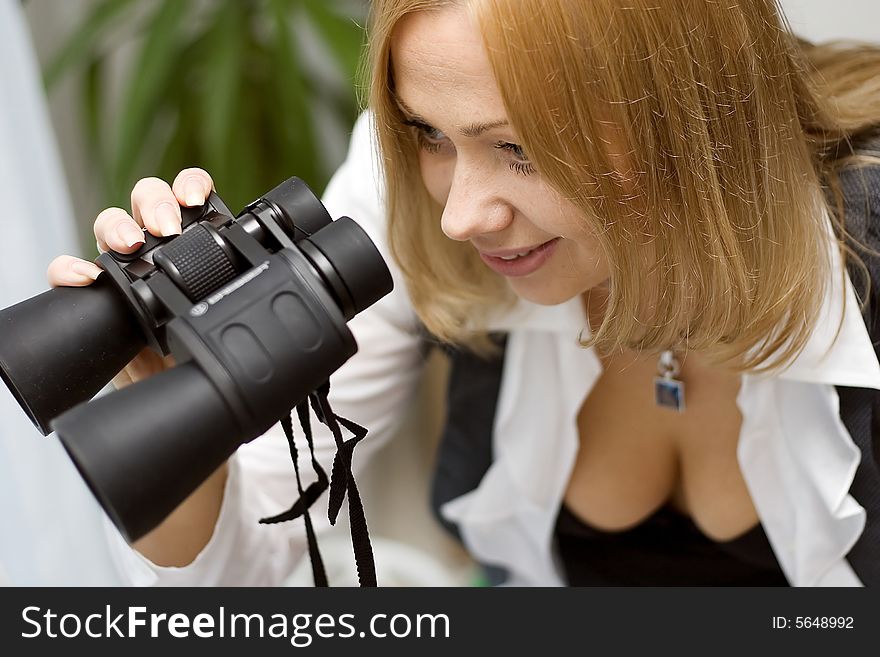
{"x":669,"y":391}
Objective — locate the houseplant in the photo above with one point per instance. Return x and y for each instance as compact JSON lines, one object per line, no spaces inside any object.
{"x":254,"y":91}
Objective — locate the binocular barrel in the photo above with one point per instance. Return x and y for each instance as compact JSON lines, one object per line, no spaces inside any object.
{"x":60,"y":348}
{"x":144,"y":448}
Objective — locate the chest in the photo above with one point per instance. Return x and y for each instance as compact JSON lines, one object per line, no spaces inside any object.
{"x":634,"y":456}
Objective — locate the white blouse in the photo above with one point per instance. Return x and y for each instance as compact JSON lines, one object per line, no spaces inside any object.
{"x":796,"y":456}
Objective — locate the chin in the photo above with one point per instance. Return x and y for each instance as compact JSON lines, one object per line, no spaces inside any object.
{"x":546,"y":295}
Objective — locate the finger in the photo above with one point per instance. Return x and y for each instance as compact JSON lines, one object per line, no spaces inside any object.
{"x":192,"y":186}
{"x":147,"y":364}
{"x":122,"y":379}
{"x":66,"y":270}
{"x":154,"y":205}
{"x":115,"y":229}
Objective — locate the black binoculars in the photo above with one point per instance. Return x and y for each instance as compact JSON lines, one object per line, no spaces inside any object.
{"x":253,"y":308}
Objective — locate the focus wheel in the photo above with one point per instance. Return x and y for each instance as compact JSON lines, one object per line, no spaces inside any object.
{"x":197,"y":261}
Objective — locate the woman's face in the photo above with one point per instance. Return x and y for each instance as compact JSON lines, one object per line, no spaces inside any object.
{"x":472,"y":165}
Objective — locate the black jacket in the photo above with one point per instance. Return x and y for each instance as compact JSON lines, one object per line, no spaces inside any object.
{"x":860,"y":407}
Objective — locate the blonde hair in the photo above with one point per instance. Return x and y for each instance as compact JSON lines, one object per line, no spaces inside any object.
{"x":697,"y":137}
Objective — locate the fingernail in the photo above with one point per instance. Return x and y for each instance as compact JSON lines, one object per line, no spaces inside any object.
{"x":130,"y":234}
{"x":166,"y":217}
{"x":85,"y":269}
{"x":193,"y":193}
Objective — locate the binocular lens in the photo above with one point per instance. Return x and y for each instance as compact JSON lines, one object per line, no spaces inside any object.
{"x":146,"y":447}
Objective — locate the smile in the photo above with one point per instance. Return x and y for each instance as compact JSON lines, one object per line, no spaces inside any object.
{"x":522,"y":263}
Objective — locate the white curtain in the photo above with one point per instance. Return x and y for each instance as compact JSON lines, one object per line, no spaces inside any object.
{"x":50,"y":531}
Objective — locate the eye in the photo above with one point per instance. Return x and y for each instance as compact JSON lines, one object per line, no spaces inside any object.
{"x":430,"y":139}
{"x":518,"y":161}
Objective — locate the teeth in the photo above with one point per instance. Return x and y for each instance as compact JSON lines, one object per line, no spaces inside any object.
{"x":514,"y":257}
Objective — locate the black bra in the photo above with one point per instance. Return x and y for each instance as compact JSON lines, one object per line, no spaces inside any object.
{"x":666,"y":549}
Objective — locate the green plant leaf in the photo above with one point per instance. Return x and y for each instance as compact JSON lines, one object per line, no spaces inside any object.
{"x":93,"y":113}
{"x":79,"y":46}
{"x":221,"y":72}
{"x":291,"y":113}
{"x":251,"y":166}
{"x":181,"y":148}
{"x":157,"y":61}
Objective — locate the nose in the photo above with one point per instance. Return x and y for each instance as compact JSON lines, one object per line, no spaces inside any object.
{"x":474,"y":205}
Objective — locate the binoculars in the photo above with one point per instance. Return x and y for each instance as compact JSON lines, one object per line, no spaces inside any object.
{"x":253,"y":308}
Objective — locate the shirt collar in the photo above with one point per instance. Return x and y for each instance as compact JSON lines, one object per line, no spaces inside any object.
{"x":850,"y":359}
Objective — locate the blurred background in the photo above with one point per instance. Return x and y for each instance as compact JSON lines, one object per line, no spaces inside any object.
{"x":99,"y":93}
{"x":248,"y":89}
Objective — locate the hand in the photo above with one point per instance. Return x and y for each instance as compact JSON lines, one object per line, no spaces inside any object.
{"x":155,"y":206}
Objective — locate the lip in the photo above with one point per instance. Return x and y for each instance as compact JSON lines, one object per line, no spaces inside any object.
{"x":520,"y":266}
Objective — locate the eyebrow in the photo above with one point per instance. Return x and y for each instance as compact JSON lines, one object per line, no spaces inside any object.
{"x":472,"y":130}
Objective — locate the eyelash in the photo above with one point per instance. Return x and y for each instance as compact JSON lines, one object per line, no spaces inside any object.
{"x":428,"y":146}
{"x":422,"y":134}
{"x":521,"y":165}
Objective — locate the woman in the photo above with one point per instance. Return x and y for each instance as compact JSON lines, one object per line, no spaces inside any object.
{"x":615,"y":213}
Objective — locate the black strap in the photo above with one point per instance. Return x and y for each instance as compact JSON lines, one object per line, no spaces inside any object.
{"x":307,"y":498}
{"x":341,"y":481}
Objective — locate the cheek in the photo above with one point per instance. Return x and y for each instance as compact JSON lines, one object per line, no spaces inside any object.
{"x":436,"y":176}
